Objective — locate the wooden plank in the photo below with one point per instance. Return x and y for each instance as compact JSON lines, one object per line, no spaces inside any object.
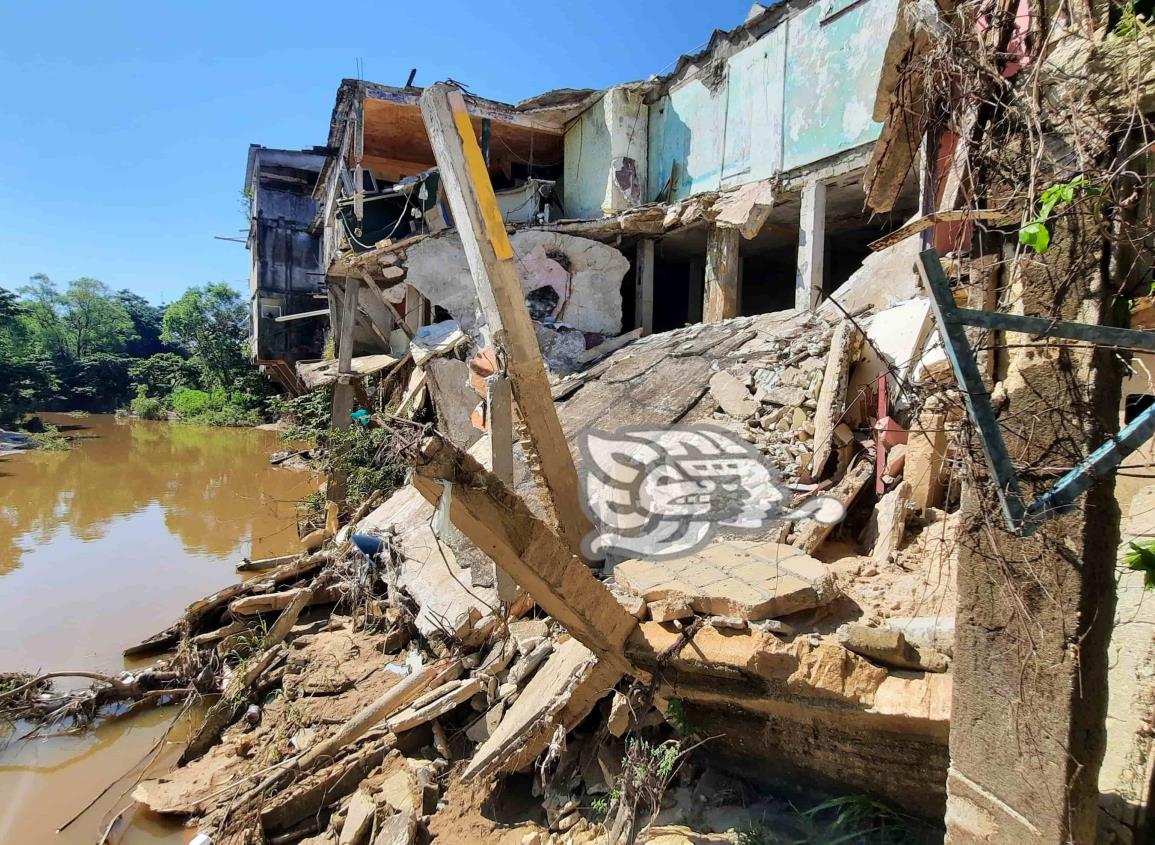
{"x":348,"y":321}
{"x":722,"y":268}
{"x":491,"y":262}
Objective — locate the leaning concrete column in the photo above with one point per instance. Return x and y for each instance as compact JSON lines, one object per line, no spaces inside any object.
{"x":811,"y":246}
{"x":722,"y":269}
{"x":1035,"y":615}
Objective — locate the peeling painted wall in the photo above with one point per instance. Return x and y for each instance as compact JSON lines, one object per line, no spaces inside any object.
{"x":801,"y":93}
{"x":832,"y":69}
{"x":612,"y":129}
{"x":587,"y":161}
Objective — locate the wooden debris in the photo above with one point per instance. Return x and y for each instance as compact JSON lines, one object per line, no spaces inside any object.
{"x":272,"y":602}
{"x":498,"y":521}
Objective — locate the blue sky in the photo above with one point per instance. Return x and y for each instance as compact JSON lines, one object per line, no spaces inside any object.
{"x":124,"y":127}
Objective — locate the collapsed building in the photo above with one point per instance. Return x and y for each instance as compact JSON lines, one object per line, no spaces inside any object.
{"x":688,"y":250}
{"x":732,"y":186}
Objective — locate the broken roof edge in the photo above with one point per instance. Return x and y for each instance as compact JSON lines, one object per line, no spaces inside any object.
{"x":539,"y":119}
{"x":727,"y":42}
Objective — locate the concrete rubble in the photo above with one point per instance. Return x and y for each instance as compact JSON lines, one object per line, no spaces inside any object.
{"x":826,"y":649}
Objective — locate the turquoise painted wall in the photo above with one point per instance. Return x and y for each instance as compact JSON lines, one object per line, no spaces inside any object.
{"x":801,"y":93}
{"x":832,"y":69}
{"x":586,"y":169}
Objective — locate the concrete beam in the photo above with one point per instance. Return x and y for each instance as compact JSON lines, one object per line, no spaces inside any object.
{"x":494,"y":270}
{"x":498,"y":522}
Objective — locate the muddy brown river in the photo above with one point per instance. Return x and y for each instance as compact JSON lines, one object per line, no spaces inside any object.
{"x":101,"y":546}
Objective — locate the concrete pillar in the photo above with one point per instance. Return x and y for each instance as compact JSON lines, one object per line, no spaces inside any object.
{"x":500,"y":406}
{"x":627,"y":124}
{"x":723,"y":267}
{"x":644,"y":286}
{"x":697,"y":291}
{"x":1035,"y":614}
{"x":811,"y":246}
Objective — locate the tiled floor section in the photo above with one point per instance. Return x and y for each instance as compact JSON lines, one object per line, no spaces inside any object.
{"x":746,"y":579}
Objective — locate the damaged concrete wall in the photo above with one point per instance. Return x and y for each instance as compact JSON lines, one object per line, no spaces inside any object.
{"x":832,"y":70}
{"x":585,"y":276}
{"x":605,"y":155}
{"x":801,"y":93}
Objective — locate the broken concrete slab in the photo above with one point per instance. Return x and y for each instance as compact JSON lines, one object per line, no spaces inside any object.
{"x":926,"y":446}
{"x":746,"y":209}
{"x":358,"y":820}
{"x":454,"y":399}
{"x":740,"y":578}
{"x":887,"y":524}
{"x":438,"y":270}
{"x":732,"y":395}
{"x":845,"y":348}
{"x":561,"y":694}
{"x":895,"y":339}
{"x":671,"y":609}
{"x":430,"y":573}
{"x":397,"y":830}
{"x":890,"y":648}
{"x":808,"y":535}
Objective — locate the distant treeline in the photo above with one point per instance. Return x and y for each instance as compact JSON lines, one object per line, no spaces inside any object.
{"x":89,"y":348}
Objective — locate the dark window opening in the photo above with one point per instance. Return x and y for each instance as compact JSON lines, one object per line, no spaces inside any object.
{"x":1137,"y":403}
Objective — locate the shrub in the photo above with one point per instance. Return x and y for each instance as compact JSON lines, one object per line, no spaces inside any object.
{"x":148,"y":408}
{"x":216,"y":408}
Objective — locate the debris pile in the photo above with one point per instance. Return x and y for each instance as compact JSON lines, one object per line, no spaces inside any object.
{"x":378,"y":687}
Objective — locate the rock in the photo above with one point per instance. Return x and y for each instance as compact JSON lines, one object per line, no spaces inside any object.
{"x":740,"y":578}
{"x":483,"y":728}
{"x":528,"y":629}
{"x":669,"y":609}
{"x":533,"y":838}
{"x":732,"y":395}
{"x":400,"y":790}
{"x":888,"y":523}
{"x":634,"y":604}
{"x":681,"y":835}
{"x":397,"y":830}
{"x":619,"y":719}
{"x":890,"y":648}
{"x":783,"y":395}
{"x":358,"y":820}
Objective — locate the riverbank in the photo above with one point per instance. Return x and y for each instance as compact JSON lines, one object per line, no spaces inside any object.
{"x":100,"y":545}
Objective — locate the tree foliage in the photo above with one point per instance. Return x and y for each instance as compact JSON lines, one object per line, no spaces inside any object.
{"x":209,"y":323}
{"x":89,"y":348}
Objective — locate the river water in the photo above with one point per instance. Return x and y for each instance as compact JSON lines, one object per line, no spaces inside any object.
{"x":100,"y":547}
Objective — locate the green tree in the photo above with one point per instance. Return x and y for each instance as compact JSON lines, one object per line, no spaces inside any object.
{"x":39,"y":313}
{"x":27,"y":375}
{"x":92,"y":321}
{"x":146,"y":324}
{"x":160,"y":374}
{"x":210,"y":323}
